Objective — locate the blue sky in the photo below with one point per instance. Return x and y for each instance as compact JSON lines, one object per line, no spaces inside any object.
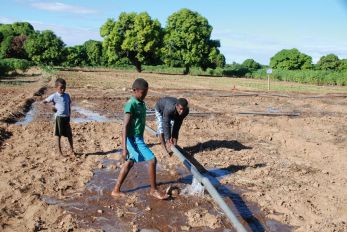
{"x":246,"y":28}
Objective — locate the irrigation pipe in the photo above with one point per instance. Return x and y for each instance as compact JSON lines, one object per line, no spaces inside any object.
{"x":208,"y":185}
{"x":270,"y":114}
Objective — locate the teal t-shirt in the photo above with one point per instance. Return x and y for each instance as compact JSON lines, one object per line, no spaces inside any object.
{"x":137,"y":110}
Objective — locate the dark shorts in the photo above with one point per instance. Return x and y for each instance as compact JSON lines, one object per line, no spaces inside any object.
{"x":62,"y":126}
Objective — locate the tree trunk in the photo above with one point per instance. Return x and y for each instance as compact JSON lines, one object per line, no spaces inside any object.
{"x":138,"y":66}
{"x":186,"y":71}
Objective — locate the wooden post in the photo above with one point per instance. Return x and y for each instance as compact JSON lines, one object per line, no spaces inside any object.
{"x":268,"y":71}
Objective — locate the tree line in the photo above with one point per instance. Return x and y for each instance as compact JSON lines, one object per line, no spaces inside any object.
{"x":133,"y":39}
{"x":137,"y":39}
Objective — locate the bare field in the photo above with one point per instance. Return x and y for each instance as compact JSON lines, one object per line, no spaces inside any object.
{"x":290,"y":170}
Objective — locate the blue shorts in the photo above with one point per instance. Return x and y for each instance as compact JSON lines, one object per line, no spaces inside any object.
{"x":138,"y":151}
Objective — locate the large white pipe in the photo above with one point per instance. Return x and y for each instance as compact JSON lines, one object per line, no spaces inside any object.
{"x":208,"y":185}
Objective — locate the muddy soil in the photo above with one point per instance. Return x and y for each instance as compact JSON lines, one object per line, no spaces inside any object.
{"x":270,"y":169}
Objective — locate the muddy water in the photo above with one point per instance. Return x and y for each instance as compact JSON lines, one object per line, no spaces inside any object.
{"x":84,"y":111}
{"x":85,"y":115}
{"x":29,"y":116}
{"x":41,"y":112}
{"x":95,"y":208}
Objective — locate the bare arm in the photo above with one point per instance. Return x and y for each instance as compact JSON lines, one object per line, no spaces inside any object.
{"x":126,"y":123}
{"x":70,"y":108}
{"x":165,"y":146}
{"x":50,"y":101}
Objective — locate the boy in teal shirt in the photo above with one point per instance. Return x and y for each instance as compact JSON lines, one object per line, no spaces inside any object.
{"x":133,"y":145}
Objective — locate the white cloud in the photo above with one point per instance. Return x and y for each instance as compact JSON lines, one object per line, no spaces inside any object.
{"x":62,"y":7}
{"x":70,"y":35}
{"x":5,"y":20}
{"x":238,"y":46}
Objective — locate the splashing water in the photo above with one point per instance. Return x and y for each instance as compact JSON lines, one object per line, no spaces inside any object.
{"x":195,"y":189}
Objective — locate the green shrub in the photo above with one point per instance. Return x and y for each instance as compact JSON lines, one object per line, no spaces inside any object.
{"x":12,"y":64}
{"x":235,"y":70}
{"x":319,"y":77}
{"x":163,"y":69}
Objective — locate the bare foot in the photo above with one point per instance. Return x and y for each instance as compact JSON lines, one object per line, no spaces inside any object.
{"x":59,"y":153}
{"x":117,"y":194}
{"x":73,"y":153}
{"x":158,"y":195}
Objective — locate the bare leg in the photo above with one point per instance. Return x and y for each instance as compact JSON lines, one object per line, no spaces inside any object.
{"x":59,"y":145}
{"x":71,"y":144}
{"x":152,"y":170}
{"x":153,"y":181}
{"x":122,"y":175}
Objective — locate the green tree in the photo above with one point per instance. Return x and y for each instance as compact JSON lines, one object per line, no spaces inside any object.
{"x":1,"y":37}
{"x":7,"y":33}
{"x":136,"y":37}
{"x":13,"y":39}
{"x":93,"y":52}
{"x":291,"y":59}
{"x":251,"y":64}
{"x":215,"y":58}
{"x":45,"y":48}
{"x":17,"y":47}
{"x":7,"y":30}
{"x":187,"y":41}
{"x":329,"y":62}
{"x":343,"y":64}
{"x":23,"y":28}
{"x":75,"y":56}
{"x":6,"y":47}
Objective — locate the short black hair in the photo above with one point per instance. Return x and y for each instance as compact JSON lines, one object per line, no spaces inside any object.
{"x":60,"y":81}
{"x":140,"y":83}
{"x":182,"y":102}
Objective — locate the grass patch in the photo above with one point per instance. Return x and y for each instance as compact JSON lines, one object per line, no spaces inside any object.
{"x":111,"y":79}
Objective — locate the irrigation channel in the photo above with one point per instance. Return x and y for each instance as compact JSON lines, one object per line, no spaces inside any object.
{"x":188,"y":204}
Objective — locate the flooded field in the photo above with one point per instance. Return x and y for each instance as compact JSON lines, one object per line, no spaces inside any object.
{"x":278,"y":159}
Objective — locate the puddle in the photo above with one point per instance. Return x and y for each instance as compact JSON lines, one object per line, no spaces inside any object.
{"x":80,"y":114}
{"x":95,"y":208}
{"x":43,"y":112}
{"x":273,"y":110}
{"x":29,"y":116}
{"x":87,"y":115}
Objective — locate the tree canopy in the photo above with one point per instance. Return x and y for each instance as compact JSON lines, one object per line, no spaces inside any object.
{"x":251,"y":64}
{"x":45,"y":48}
{"x":187,"y":42}
{"x":290,"y":59}
{"x":93,"y":50}
{"x":12,"y":39}
{"x":136,"y":37}
{"x":329,"y":62}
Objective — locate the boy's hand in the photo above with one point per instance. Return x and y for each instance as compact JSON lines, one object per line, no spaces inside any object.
{"x":124,"y":154}
{"x":173,"y":141}
{"x":167,"y":151}
{"x":168,"y":146}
